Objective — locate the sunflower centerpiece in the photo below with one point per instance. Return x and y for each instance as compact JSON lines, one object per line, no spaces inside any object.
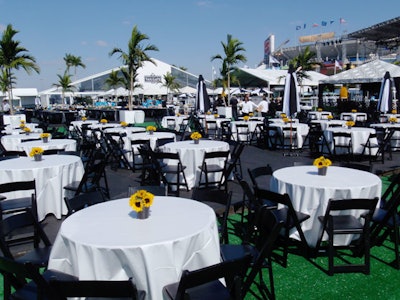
{"x":22,"y":124}
{"x":26,"y":130}
{"x":123,"y":124}
{"x":45,"y":137}
{"x":196,"y":136}
{"x":141,"y":202}
{"x":246,"y":118}
{"x":150,"y":129}
{"x":350,"y":124}
{"x":84,"y":119}
{"x":36,"y":153}
{"x":322,"y":164}
{"x":392,"y":120}
{"x":103,"y":121}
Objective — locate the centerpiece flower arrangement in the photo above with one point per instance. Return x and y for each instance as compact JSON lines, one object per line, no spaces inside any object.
{"x":208,"y":113}
{"x":322,"y":164}
{"x":350,"y":124}
{"x":319,"y":109}
{"x":216,"y":115}
{"x":394,"y":111}
{"x":45,"y":137}
{"x":141,"y":202}
{"x":178,"y":114}
{"x":283,"y":115}
{"x":83,"y":118}
{"x":251,"y":114}
{"x":330,"y":117}
{"x":123,"y":124}
{"x":246,"y":118}
{"x":103,"y":121}
{"x":195,"y":136}
{"x":151,"y":129}
{"x":393,"y":120}
{"x":22,"y":124}
{"x":285,"y":120}
{"x":27,"y":130}
{"x":36,"y":152}
{"x":354,"y":110}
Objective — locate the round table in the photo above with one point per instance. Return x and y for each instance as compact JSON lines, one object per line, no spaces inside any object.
{"x":52,"y":173}
{"x":192,"y":154}
{"x":151,"y":137}
{"x":359,"y":136}
{"x":66,"y":144}
{"x":328,"y":123}
{"x":13,"y":141}
{"x":310,"y":192}
{"x":301,"y":130}
{"x":127,"y":130}
{"x":106,"y":241}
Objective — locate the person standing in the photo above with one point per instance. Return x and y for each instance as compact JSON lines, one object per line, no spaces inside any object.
{"x":247,"y":106}
{"x":6,"y":107}
{"x":38,"y":102}
{"x":234,"y":105}
{"x":263,"y":107}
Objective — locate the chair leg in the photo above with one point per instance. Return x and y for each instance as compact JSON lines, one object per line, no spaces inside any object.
{"x":331,"y":253}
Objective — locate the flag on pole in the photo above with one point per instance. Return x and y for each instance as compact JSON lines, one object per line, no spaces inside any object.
{"x":304,"y":26}
{"x":341,"y":21}
{"x":324,"y":23}
{"x":298,"y":27}
{"x":315,"y":25}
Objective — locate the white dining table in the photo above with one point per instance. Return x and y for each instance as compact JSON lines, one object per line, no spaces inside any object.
{"x":329,"y":123}
{"x":106,"y":241}
{"x":173,"y":122}
{"x":355,"y":116}
{"x":319,"y":115}
{"x":301,"y":130}
{"x":310,"y":193}
{"x":66,"y":144}
{"x":359,"y":136}
{"x":152,"y":138}
{"x":250,"y":124}
{"x":52,"y":173}
{"x":127,"y":130}
{"x":395,"y":141}
{"x":12,"y":141}
{"x":192,"y":155}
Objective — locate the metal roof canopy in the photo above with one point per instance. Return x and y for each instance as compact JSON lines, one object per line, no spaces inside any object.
{"x":384,"y":31}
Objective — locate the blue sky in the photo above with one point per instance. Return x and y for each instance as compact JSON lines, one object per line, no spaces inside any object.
{"x":187,"y":32}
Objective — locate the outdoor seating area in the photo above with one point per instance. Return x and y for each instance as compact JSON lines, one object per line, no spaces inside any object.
{"x":256,"y":182}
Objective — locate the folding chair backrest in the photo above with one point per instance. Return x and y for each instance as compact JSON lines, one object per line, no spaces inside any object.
{"x":349,"y":204}
{"x":95,"y":288}
{"x":230,"y":270}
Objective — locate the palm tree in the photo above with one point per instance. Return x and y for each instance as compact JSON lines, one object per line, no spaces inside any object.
{"x":304,"y":62}
{"x":233,"y":55}
{"x":134,"y":58}
{"x":170,"y":83}
{"x":73,"y":61}
{"x":64,"y":82}
{"x":13,"y":56}
{"x":114,"y":81}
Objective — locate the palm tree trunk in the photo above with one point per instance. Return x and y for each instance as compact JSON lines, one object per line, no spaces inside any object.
{"x":130,"y":90}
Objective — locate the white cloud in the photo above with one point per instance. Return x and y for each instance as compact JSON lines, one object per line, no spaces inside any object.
{"x":101,"y":43}
{"x":84,"y":43}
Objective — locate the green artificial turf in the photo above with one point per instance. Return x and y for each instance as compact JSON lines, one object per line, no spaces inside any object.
{"x":304,"y":279}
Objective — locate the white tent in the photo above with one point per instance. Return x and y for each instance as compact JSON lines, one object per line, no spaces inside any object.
{"x":372,"y":71}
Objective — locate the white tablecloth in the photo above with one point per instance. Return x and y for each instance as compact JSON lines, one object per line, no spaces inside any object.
{"x":11,"y":142}
{"x":66,"y":144}
{"x":329,"y":123}
{"x":13,"y":120}
{"x":357,"y":116}
{"x":151,"y":137}
{"x":310,"y":192}
{"x":319,"y":115}
{"x":395,"y":142}
{"x":359,"y":136}
{"x":251,"y":125}
{"x":301,"y":131}
{"x":173,"y":122}
{"x":107,"y":242}
{"x":127,"y":130}
{"x":192,"y":155}
{"x":51,"y":175}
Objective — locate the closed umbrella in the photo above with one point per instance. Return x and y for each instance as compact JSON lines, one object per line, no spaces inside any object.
{"x":386,"y":95}
{"x":202,"y":98}
{"x":291,"y":99}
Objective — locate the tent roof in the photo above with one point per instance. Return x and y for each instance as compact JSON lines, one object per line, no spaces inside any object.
{"x":22,"y":92}
{"x":273,"y":77}
{"x":372,"y":71}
